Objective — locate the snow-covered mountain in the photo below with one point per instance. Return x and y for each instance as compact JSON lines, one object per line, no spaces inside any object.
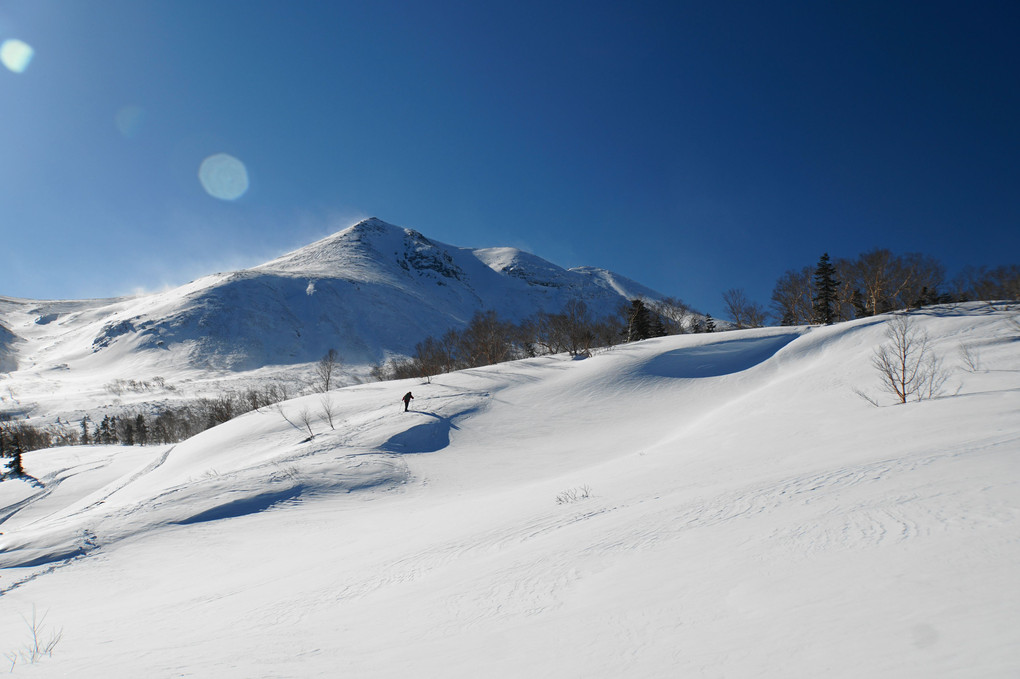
{"x":718,"y":505}
{"x":369,"y":291}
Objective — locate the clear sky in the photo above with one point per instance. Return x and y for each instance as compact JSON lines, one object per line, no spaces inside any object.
{"x":692,"y":146}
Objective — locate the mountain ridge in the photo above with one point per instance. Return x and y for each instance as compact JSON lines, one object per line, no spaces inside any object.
{"x":371,"y":291}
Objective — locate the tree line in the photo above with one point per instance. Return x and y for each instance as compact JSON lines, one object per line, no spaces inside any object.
{"x":171,"y":423}
{"x":875,"y":282}
{"x":488,"y":339}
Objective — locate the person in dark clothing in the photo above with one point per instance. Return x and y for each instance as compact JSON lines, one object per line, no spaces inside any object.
{"x":407,"y":400}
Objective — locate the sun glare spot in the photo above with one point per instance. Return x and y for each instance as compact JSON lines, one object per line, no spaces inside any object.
{"x":129,"y":120}
{"x":16,"y":55}
{"x":223,"y":176}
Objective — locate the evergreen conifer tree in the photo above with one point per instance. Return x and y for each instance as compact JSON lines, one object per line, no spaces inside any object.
{"x":860,"y":308}
{"x":104,"y":431}
{"x":85,"y":439}
{"x":141,"y":430}
{"x":16,"y":470}
{"x":824,"y":300}
{"x":658,"y":328}
{"x":639,"y":322}
{"x":709,"y":323}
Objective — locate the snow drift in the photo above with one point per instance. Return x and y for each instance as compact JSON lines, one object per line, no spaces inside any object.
{"x":744,"y":513}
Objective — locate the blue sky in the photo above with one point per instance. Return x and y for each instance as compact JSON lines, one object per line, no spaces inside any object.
{"x":692,"y":146}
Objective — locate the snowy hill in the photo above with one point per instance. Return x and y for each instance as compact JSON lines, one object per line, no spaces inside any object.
{"x":703,"y":505}
{"x":369,"y":291}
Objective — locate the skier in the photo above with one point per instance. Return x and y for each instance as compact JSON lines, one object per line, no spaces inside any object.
{"x":407,"y":400}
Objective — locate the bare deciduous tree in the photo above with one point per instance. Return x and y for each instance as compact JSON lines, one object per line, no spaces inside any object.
{"x":328,"y":410}
{"x":306,"y":418}
{"x":791,"y":298}
{"x":906,"y":362}
{"x":576,"y":327}
{"x":744,"y":312}
{"x":326,"y":370}
{"x":677,"y":317}
{"x":982,"y":283}
{"x":433,"y":356}
{"x":486,"y":340}
{"x":887,"y":281}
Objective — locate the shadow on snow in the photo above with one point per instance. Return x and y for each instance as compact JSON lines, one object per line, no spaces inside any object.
{"x":717,"y":359}
{"x":427,"y":437}
{"x":244,"y":506}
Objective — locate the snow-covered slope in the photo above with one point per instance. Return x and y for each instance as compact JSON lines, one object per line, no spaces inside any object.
{"x":7,"y":360}
{"x":369,"y":291}
{"x":702,"y":505}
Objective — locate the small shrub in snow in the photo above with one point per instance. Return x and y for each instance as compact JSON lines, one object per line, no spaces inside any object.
{"x":40,"y":644}
{"x":573,"y":495}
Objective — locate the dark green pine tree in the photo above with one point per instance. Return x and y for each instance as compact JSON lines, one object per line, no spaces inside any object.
{"x":141,"y":430}
{"x":860,"y":308}
{"x":639,"y":322}
{"x":3,"y":450}
{"x":658,"y":328}
{"x":824,"y":300}
{"x":709,"y":323}
{"x":104,"y":431}
{"x":85,"y":439}
{"x":16,"y":470}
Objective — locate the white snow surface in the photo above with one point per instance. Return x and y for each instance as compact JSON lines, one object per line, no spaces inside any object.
{"x":731,"y":509}
{"x":371,"y":291}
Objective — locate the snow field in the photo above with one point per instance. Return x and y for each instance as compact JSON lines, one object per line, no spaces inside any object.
{"x":749,"y":516}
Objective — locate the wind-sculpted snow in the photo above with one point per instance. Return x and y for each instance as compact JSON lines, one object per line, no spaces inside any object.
{"x":710,"y":505}
{"x":718,"y":358}
{"x":248,"y":465}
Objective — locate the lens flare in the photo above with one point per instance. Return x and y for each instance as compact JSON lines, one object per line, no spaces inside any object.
{"x":16,"y":55}
{"x":223,"y":176}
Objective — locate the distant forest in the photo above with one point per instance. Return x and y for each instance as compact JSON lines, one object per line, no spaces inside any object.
{"x":875,"y":282}
{"x":488,"y":339}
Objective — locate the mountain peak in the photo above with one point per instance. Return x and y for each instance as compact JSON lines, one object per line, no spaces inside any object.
{"x":370,"y":225}
{"x":336,"y":252}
